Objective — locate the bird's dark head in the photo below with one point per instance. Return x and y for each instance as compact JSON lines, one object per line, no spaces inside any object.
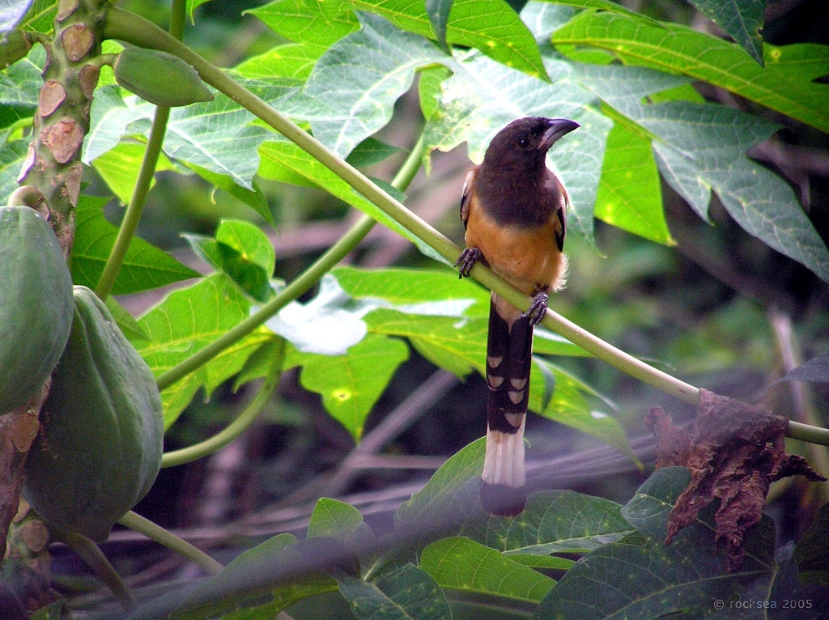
{"x":526,"y":141}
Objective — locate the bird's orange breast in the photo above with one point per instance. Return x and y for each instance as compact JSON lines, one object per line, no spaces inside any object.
{"x":528,"y":258}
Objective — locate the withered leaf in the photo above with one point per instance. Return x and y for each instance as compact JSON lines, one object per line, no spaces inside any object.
{"x":734,"y":451}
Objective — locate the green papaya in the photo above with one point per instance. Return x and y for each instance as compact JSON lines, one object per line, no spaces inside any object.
{"x":35,"y":304}
{"x":160,"y":78}
{"x":99,"y":449}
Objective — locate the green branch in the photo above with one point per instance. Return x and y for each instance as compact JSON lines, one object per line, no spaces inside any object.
{"x":239,"y":425}
{"x":126,"y":26}
{"x":139,"y":524}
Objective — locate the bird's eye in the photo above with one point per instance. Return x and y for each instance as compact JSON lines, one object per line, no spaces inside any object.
{"x":523,"y":143}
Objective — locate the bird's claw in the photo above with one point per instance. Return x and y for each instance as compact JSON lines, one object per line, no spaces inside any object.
{"x":467,"y":260}
{"x":538,"y":308}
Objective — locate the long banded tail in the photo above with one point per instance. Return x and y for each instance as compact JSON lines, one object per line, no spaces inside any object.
{"x":508,"y":362}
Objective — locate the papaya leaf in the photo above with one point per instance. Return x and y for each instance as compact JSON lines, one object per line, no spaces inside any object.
{"x":810,"y":552}
{"x":491,"y":26}
{"x":268,"y":578}
{"x":438,"y":12}
{"x":816,"y":370}
{"x":188,"y":320}
{"x":468,"y":567}
{"x":253,"y":197}
{"x":700,"y":147}
{"x":329,"y":324}
{"x":350,"y":384}
{"x":629,"y":195}
{"x":243,"y":252}
{"x":361,"y":76}
{"x":333,"y":518}
{"x":482,"y":96}
{"x":640,"y":576}
{"x":677,"y":49}
{"x":405,"y":593}
{"x":119,"y":168}
{"x":12,"y":13}
{"x":145,"y":266}
{"x":316,"y":24}
{"x":282,"y":160}
{"x":741,"y":20}
{"x":12,"y":155}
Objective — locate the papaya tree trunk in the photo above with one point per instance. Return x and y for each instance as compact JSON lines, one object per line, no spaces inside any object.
{"x":52,"y":176}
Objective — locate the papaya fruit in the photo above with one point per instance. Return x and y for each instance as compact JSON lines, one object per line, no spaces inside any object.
{"x":160,"y":78}
{"x":99,"y":449}
{"x":35,"y":304}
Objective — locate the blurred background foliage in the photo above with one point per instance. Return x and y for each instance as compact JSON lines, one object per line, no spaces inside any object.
{"x":720,"y":310}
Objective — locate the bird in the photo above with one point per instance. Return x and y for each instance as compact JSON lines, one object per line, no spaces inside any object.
{"x":514,"y":212}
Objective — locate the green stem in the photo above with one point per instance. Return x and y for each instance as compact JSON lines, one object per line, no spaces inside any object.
{"x":157,"y":533}
{"x":136,"y":206}
{"x":239,"y":425}
{"x":145,"y":176}
{"x":123,"y":25}
{"x":98,"y":562}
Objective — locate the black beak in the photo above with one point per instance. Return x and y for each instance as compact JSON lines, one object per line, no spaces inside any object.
{"x":558,"y":127}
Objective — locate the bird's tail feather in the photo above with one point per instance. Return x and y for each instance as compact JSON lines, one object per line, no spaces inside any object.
{"x":509,"y":356}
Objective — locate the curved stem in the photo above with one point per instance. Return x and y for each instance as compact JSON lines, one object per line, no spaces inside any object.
{"x":98,"y":562}
{"x":239,"y":425}
{"x":157,"y":533}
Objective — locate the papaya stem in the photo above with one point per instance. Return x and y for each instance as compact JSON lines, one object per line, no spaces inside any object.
{"x":98,"y":562}
{"x":140,"y":524}
{"x":145,"y":177}
{"x":240,"y":424}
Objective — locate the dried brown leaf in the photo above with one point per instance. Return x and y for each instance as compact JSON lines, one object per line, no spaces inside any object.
{"x":734,"y":451}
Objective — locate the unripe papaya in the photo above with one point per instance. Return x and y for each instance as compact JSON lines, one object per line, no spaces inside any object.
{"x":99,"y":450}
{"x":35,"y":304}
{"x":160,"y":78}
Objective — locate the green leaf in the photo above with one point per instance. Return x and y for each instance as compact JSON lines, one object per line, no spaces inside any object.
{"x":21,"y":82}
{"x":810,"y":552}
{"x":186,"y":321}
{"x":482,"y":96}
{"x":282,"y":160}
{"x":289,"y":65}
{"x":438,"y":12}
{"x":676,"y":49}
{"x":370,"y":152}
{"x":12,"y":155}
{"x":462,"y":564}
{"x":334,"y":519}
{"x":254,"y":198}
{"x":491,"y":26}
{"x":361,"y":76}
{"x":145,"y":266}
{"x":434,"y":502}
{"x":317,"y":24}
{"x":700,"y":147}
{"x":630,"y":196}
{"x":350,"y":384}
{"x":406,"y":593}
{"x":119,"y":168}
{"x":641,"y":577}
{"x":416,"y":290}
{"x":570,"y":407}
{"x":261,"y":581}
{"x":329,"y":324}
{"x":741,"y":19}
{"x":243,"y":252}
